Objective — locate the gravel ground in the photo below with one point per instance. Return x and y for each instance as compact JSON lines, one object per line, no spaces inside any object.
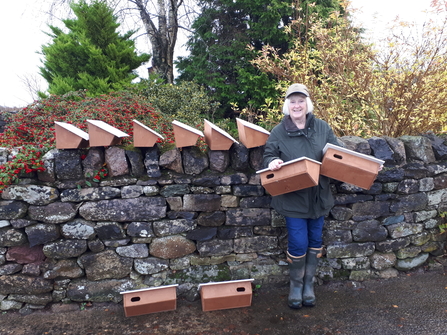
{"x":413,"y":303}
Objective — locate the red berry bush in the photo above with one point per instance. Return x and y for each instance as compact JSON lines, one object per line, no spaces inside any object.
{"x":31,"y":130}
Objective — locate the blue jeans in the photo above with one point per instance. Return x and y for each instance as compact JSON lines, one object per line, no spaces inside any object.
{"x":304,"y":234}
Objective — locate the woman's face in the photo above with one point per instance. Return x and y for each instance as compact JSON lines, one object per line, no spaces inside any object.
{"x":297,"y":107}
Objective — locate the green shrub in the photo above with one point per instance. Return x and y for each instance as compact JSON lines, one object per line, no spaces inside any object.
{"x":186,"y":102}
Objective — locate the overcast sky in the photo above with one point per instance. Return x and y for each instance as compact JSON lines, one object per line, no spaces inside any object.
{"x":22,"y":24}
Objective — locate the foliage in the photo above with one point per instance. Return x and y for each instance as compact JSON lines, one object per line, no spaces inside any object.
{"x":92,"y":55}
{"x":219,"y":58}
{"x":399,"y":90}
{"x":443,"y":226}
{"x":97,"y":176}
{"x":26,"y":160}
{"x":186,"y":102}
{"x":35,"y":124}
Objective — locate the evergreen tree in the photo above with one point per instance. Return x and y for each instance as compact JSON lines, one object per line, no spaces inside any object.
{"x":219,"y":58}
{"x":92,"y":55}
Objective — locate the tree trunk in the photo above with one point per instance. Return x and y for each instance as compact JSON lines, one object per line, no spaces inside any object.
{"x":162,"y":37}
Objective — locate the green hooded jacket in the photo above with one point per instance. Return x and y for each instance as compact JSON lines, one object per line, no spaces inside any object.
{"x":287,"y":142}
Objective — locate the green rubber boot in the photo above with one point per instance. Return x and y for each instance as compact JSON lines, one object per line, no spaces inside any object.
{"x":311,"y":267}
{"x":297,"y":268}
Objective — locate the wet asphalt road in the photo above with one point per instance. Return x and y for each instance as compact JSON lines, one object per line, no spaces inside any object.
{"x":414,"y":303}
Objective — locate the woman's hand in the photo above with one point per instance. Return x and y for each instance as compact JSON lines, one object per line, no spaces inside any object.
{"x":275,"y":164}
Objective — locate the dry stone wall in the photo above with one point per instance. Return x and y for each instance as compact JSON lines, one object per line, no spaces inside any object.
{"x":187,"y":217}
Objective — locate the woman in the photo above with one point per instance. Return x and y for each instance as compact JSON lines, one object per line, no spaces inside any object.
{"x":300,"y":134}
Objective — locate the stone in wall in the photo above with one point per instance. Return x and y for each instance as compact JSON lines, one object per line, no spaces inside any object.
{"x":98,"y":291}
{"x":56,"y":212}
{"x":201,"y":202}
{"x":90,"y":194}
{"x":357,"y":144}
{"x":370,"y":210}
{"x":219,"y":160}
{"x":78,"y":229}
{"x":151,"y":162}
{"x":398,"y":148}
{"x":211,"y":219}
{"x":255,"y":159}
{"x":202,"y":234}
{"x":239,"y":157}
{"x":382,"y":261}
{"x":234,"y":179}
{"x":20,"y":284}
{"x":10,"y":210}
{"x":369,"y":231}
{"x":356,"y":264}
{"x":440,"y":181}
{"x":25,"y":254}
{"x":135,"y":158}
{"x":93,"y":161}
{"x":140,"y":229}
{"x":105,"y":265}
{"x":343,"y":250}
{"x":207,"y":180}
{"x":32,"y":194}
{"x":404,"y":229}
{"x":110,"y":231}
{"x":10,"y":268}
{"x":10,"y":237}
{"x":255,"y":202}
{"x":392,"y":245}
{"x":133,"y":251}
{"x":411,"y":263}
{"x":172,"y":227}
{"x":141,"y":209}
{"x":248,"y":190}
{"x":418,"y":148}
{"x":415,"y":170}
{"x":248,"y":217}
{"x":33,"y":299}
{"x":174,"y":190}
{"x":170,"y":247}
{"x":408,"y":186}
{"x":409,"y":252}
{"x":96,"y":245}
{"x":116,"y":161}
{"x":234,"y":232}
{"x":381,"y":150}
{"x":172,"y":160}
{"x":63,"y":249}
{"x":215,"y":247}
{"x":438,"y":146}
{"x":255,"y":244}
{"x":407,"y":203}
{"x":194,"y":161}
{"x":65,"y":268}
{"x":67,"y":165}
{"x":150,"y":265}
{"x":333,"y":236}
{"x":42,"y":233}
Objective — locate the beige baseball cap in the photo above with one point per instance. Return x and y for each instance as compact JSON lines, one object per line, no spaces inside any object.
{"x":297,"y":88}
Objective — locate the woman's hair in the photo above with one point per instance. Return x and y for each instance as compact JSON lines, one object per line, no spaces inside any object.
{"x":285,"y":107}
